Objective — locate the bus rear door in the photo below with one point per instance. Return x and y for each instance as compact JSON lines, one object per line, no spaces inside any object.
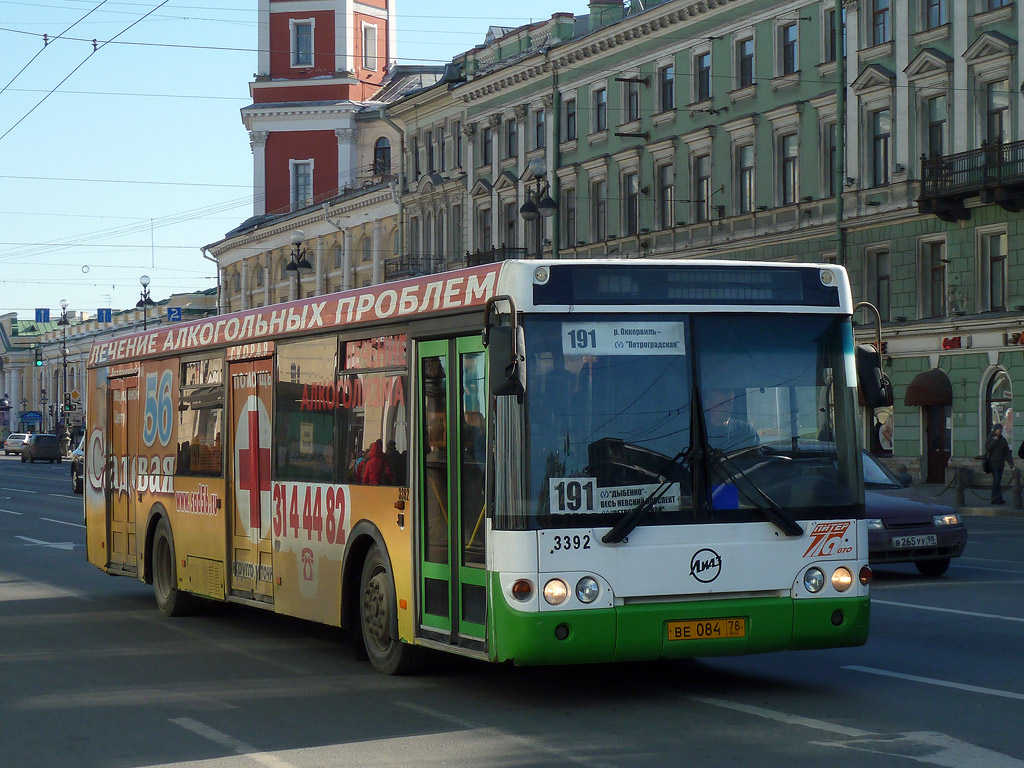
{"x":452,"y":438}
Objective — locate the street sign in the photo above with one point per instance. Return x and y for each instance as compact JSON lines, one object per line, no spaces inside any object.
{"x":42,"y":315}
{"x":103,"y":315}
{"x":174,"y":314}
{"x":76,"y":395}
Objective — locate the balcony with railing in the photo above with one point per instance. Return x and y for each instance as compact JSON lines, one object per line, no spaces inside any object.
{"x":494,"y":255}
{"x":993,"y":172}
{"x":413,"y":265}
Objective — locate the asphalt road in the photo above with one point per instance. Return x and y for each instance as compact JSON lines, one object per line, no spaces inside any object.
{"x":92,"y":675}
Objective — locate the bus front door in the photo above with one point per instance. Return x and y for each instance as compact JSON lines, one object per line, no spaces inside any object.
{"x":251,"y":554}
{"x":452,"y":450}
{"x":123,"y":431}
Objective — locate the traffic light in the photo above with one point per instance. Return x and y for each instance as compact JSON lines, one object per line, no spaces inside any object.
{"x":39,"y":357}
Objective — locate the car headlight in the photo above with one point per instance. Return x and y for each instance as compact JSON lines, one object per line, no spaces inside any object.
{"x":875,"y":524}
{"x":555,"y":591}
{"x":587,"y":589}
{"x":950,"y":519}
{"x":814,"y":580}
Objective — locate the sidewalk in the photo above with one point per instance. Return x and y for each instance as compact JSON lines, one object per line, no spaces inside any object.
{"x":975,"y":500}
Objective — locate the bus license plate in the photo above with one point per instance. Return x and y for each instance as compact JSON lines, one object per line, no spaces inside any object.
{"x":707,"y":629}
{"x":908,"y":542}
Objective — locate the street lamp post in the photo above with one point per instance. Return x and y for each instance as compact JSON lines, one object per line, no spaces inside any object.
{"x":65,"y":400}
{"x":144,"y":301}
{"x":299,"y":264}
{"x":44,"y":414}
{"x":539,"y":203}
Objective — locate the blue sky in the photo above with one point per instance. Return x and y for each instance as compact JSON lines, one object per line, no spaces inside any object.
{"x":139,"y":157}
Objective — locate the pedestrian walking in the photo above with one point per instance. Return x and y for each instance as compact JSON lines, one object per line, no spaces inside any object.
{"x":998,"y":453}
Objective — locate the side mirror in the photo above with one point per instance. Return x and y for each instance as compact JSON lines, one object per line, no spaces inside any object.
{"x":506,"y":350}
{"x":905,"y":478}
{"x":874,"y":385}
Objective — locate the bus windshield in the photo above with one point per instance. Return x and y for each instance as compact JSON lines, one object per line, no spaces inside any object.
{"x":610,"y":422}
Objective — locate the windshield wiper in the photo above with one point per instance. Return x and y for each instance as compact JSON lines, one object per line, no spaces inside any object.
{"x":770,"y":509}
{"x":632,"y":519}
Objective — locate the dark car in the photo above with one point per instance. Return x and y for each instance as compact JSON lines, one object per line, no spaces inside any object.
{"x":41,"y":446}
{"x":78,"y":466}
{"x":906,"y":527}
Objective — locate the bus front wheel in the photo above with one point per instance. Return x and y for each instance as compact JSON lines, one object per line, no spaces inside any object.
{"x":169,"y":599}
{"x":377,"y":609}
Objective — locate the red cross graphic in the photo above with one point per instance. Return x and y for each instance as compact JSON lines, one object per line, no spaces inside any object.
{"x":254,"y":470}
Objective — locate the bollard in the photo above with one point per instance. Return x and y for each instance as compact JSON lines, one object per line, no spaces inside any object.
{"x":1015,"y":484}
{"x":958,"y":485}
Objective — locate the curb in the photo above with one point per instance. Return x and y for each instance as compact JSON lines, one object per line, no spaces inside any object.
{"x":990,"y":512}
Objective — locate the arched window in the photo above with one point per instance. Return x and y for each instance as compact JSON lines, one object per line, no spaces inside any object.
{"x":999,"y":404}
{"x":381,"y":157}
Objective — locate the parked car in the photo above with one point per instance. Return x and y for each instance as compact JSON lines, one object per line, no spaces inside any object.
{"x":14,"y":443}
{"x":41,"y":446}
{"x":78,"y":467}
{"x":907,"y":527}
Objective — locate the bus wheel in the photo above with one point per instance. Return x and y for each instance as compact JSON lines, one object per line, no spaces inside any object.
{"x":169,"y":599}
{"x":377,"y":608}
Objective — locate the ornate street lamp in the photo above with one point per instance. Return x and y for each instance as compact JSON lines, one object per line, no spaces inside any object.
{"x":299,"y":264}
{"x":144,"y":301}
{"x":539,"y":203}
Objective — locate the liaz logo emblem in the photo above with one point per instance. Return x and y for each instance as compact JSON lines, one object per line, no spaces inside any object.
{"x":829,"y":539}
{"x":705,"y":565}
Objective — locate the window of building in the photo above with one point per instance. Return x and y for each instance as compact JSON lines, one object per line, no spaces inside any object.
{"x":788,"y":51}
{"x":745,"y":178}
{"x":599,"y":109}
{"x":881,"y":29}
{"x":486,"y":145}
{"x":539,"y":134}
{"x":442,"y":149}
{"x":878,"y":264}
{"x":414,"y":235}
{"x":302,"y":43}
{"x":301,"y":183}
{"x":260,"y":275}
{"x":428,"y":143}
{"x":511,"y":137}
{"x":236,"y":282}
{"x":667,"y":87}
{"x":881,"y":132}
{"x":511,"y":216}
{"x":457,"y":142}
{"x":381,"y":157}
{"x":745,"y":62}
{"x":936,"y":13}
{"x":701,"y":188}
{"x":456,"y":231}
{"x":789,"y":171}
{"x":702,"y":76}
{"x":997,"y":100}
{"x":831,"y":159}
{"x":414,"y":151}
{"x":993,"y":262}
{"x":485,"y":241}
{"x":599,"y":210}
{"x":201,"y":418}
{"x":569,"y":126}
{"x":632,"y":94}
{"x":428,"y":234}
{"x":665,"y":199}
{"x":936,"y":109}
{"x":631,"y":203}
{"x":932,"y":277}
{"x":991,"y":5}
{"x":567,"y":209}
{"x":370,"y":46}
{"x":367,"y":250}
{"x":999,"y":403}
{"x":829,"y":43}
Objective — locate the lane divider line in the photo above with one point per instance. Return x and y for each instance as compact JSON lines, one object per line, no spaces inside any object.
{"x":956,"y":611}
{"x":940,"y":683}
{"x":229,"y":742}
{"x":62,"y":522}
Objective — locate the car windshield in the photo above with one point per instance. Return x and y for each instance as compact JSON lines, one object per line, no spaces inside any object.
{"x":608,"y":417}
{"x":877,"y":476}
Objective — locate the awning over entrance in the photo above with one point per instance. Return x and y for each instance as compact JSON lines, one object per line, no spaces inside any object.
{"x":930,"y":388}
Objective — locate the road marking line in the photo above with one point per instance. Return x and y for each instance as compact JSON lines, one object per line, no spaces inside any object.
{"x":990,"y":570}
{"x":11,"y":512}
{"x":229,"y":742}
{"x":975,"y":614}
{"x":62,"y":522}
{"x":783,"y":717}
{"x":50,"y":544}
{"x":561,"y":754}
{"x":19,"y":490}
{"x":64,"y":496}
{"x":940,"y":683}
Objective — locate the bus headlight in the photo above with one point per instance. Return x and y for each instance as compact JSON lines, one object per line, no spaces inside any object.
{"x":555,"y":592}
{"x":814,"y":580}
{"x":587,"y":590}
{"x":841,"y":579}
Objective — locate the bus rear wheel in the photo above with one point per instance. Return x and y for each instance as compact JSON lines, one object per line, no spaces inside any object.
{"x":169,"y":599}
{"x":377,"y":613}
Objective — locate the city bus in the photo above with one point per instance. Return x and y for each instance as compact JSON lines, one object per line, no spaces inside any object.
{"x":534,"y":462}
